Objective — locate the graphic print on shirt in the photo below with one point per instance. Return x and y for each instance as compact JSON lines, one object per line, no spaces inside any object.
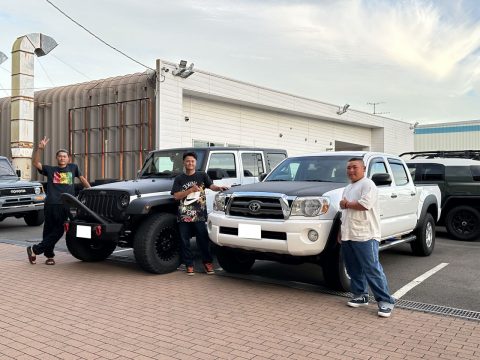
{"x":193,"y":207}
{"x":64,"y":178}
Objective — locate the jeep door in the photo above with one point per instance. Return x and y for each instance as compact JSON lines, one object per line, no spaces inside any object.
{"x":223,"y":168}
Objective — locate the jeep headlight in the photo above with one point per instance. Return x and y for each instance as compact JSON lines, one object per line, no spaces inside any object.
{"x":219,"y":202}
{"x":124,"y":200}
{"x":38,"y":190}
{"x":310,"y":206}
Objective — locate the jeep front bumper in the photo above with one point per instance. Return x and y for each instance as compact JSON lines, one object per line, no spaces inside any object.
{"x":278,"y":236}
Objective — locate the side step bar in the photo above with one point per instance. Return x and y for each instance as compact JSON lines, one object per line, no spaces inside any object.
{"x":389,"y":244}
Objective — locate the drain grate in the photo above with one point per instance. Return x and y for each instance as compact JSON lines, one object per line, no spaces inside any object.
{"x":403,"y":304}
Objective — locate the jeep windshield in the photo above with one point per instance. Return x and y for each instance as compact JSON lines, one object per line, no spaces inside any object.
{"x":312,"y":168}
{"x":168,"y":163}
{"x":6,"y":169}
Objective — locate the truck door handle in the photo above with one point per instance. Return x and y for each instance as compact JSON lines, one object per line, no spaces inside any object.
{"x":235,"y":185}
{"x":413,"y":193}
{"x":393,"y":196}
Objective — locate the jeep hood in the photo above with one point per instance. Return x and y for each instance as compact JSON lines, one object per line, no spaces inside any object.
{"x":289,"y":188}
{"x":143,"y":186}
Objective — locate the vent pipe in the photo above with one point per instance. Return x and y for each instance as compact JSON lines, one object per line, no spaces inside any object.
{"x":21,"y":125}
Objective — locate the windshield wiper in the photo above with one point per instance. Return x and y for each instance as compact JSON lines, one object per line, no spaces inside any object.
{"x":319,"y":180}
{"x":277,"y":180}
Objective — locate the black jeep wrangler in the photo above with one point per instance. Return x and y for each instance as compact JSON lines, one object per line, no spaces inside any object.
{"x":141,"y":213}
{"x":18,"y":198}
{"x":457,"y":174}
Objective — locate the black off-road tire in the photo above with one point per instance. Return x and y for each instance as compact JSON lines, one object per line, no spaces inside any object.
{"x":88,"y":250}
{"x":156,"y":245}
{"x":334,"y":271}
{"x":463,"y":223}
{"x":34,"y":218}
{"x":425,"y":242}
{"x":234,"y":261}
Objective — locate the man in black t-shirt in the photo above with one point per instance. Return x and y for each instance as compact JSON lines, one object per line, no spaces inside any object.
{"x":189,"y":189}
{"x":60,"y":179}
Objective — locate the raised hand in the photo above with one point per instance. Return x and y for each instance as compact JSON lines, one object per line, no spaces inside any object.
{"x":43,"y":142}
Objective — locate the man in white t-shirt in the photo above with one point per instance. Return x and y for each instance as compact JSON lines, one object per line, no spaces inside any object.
{"x":360,"y":240}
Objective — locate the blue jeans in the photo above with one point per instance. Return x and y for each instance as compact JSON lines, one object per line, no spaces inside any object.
{"x":199,"y":230}
{"x":363,"y":266}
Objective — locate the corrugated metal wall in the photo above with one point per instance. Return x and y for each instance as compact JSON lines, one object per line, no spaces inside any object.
{"x":107,"y":124}
{"x":453,"y":136}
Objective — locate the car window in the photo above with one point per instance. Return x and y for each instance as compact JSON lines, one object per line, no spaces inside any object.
{"x":399,"y":173}
{"x":252,"y":164}
{"x":225,"y":162}
{"x":475,"y":172}
{"x":5,"y":168}
{"x":430,"y":172}
{"x":377,"y":166}
{"x":273,"y":159}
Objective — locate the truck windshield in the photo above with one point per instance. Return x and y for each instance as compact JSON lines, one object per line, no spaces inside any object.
{"x":167,"y":163}
{"x":312,"y":168}
{"x":6,"y":169}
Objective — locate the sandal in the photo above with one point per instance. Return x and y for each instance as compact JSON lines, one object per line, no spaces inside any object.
{"x":32,"y":258}
{"x":50,"y":261}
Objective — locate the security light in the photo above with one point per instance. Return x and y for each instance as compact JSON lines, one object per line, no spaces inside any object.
{"x":182,"y":70}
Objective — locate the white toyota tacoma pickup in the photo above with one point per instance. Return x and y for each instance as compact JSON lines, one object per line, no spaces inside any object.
{"x":293,"y":215}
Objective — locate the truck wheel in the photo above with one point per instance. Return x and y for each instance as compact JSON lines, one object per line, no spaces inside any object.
{"x":463,"y":223}
{"x":157,"y":244}
{"x":234,"y":261}
{"x":88,"y":250}
{"x":34,"y":218}
{"x":425,"y":242}
{"x":334,"y":271}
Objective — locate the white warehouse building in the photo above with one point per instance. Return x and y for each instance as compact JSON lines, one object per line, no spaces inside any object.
{"x":109,"y":125}
{"x":462,"y":135}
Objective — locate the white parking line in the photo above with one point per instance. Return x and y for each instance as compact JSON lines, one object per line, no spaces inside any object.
{"x":400,"y":292}
{"x":122,"y":250}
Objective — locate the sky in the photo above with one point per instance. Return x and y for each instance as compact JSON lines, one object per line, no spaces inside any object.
{"x":417,"y":60}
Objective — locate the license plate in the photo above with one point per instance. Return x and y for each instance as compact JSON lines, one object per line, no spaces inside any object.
{"x":249,"y":231}
{"x":84,"y":232}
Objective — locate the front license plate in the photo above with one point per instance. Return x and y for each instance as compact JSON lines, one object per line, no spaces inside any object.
{"x":84,"y":232}
{"x":249,"y":231}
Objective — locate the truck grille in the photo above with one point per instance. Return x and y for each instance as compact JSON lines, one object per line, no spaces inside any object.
{"x":17,"y":191}
{"x":16,"y":202}
{"x":103,"y":203}
{"x":256,"y":207}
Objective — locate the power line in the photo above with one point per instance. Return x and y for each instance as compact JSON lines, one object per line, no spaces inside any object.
{"x":45,"y":71}
{"x":97,"y":37}
{"x":70,"y":66}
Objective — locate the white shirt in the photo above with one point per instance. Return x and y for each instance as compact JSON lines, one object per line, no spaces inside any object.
{"x":358,"y":225}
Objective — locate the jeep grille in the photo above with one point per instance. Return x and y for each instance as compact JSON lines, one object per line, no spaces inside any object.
{"x":256,"y":207}
{"x":104,"y":203}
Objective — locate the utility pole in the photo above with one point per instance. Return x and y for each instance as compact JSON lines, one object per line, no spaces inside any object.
{"x":374,"y":104}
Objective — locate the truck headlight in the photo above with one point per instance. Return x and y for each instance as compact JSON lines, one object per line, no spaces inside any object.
{"x":219,"y":202}
{"x":38,"y":190}
{"x":310,"y":206}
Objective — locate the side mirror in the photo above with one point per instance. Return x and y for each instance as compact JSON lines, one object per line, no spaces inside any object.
{"x":262,"y":176}
{"x":19,"y":173}
{"x":381,"y":179}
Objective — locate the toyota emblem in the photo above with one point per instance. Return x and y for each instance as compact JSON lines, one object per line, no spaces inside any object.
{"x":254,"y":206}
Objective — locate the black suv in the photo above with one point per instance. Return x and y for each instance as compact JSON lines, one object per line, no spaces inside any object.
{"x":20,"y":198}
{"x":141,"y":213}
{"x":457,"y":174}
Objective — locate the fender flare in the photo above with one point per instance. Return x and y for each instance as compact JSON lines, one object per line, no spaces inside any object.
{"x":429,"y":200}
{"x":137,"y":206}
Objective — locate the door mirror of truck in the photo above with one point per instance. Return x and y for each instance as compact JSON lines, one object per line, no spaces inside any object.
{"x":262,"y":176}
{"x":19,"y":173}
{"x":381,"y":179}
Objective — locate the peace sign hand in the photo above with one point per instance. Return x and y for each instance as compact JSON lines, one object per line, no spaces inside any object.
{"x":43,"y":142}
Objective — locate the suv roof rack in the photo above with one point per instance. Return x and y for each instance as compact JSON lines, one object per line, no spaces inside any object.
{"x":459,"y":154}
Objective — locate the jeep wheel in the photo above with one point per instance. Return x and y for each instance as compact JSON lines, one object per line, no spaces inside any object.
{"x":34,"y":218}
{"x":234,"y":261}
{"x":463,"y":223}
{"x":88,"y":250}
{"x":157,"y":244}
{"x":425,"y":242}
{"x":334,"y":271}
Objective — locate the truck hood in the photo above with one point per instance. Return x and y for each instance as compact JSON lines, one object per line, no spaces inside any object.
{"x":143,"y":186}
{"x":289,"y":188}
{"x":6,"y":182}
